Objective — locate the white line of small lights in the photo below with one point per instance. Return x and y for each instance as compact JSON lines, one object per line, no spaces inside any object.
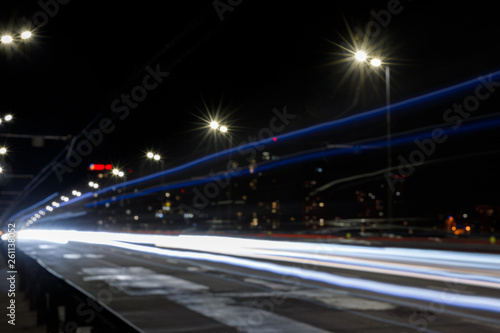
{"x":3,"y":150}
{"x":49,"y":208}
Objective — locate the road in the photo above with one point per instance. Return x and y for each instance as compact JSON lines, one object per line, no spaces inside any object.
{"x":228,"y":284}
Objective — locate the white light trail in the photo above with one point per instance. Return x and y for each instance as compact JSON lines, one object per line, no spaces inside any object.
{"x":483,"y":268}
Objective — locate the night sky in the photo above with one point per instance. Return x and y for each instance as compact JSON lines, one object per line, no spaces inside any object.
{"x":261,"y":55}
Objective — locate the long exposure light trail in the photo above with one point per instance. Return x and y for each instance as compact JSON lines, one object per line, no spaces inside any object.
{"x":305,"y":131}
{"x":475,"y":269}
{"x":317,"y":128}
{"x":483,"y":124}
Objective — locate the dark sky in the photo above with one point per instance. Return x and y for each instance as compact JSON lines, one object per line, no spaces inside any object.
{"x":261,"y":55}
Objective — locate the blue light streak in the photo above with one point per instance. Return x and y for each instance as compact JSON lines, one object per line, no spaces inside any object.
{"x":477,"y":126}
{"x":295,"y":134}
{"x":314,"y":129}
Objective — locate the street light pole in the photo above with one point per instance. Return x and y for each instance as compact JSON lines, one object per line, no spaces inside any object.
{"x":214,"y":125}
{"x":361,"y":56}
{"x":388,"y":128}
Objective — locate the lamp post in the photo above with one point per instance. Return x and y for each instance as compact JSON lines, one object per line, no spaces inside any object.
{"x":375,"y":62}
{"x":8,"y":39}
{"x":214,"y":125}
{"x":388,"y":133}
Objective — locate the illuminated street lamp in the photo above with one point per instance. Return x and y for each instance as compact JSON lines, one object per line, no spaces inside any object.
{"x":375,"y":62}
{"x":26,"y":34}
{"x":118,"y":173}
{"x":3,"y":151}
{"x":8,"y":117}
{"x":214,"y":125}
{"x":153,"y":156}
{"x":225,"y":131}
{"x":1,"y":169}
{"x":360,"y":56}
{"x":6,"y":39}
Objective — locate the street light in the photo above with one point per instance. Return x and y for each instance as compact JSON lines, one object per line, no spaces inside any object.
{"x":3,"y":151}
{"x":224,"y":130}
{"x":153,"y":156}
{"x":6,"y":39}
{"x":360,"y":56}
{"x":26,"y":34}
{"x":8,"y":117}
{"x":375,"y":62}
{"x":214,"y":125}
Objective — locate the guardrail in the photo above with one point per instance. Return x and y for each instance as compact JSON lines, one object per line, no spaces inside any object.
{"x":58,"y":302}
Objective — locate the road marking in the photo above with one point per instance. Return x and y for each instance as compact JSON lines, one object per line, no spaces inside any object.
{"x":341,"y":301}
{"x":72,"y":256}
{"x":138,"y":281}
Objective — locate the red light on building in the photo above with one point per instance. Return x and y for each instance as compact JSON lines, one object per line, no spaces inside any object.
{"x":100,"y":167}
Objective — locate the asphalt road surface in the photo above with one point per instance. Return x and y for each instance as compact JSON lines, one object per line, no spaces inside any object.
{"x":222,"y":284}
